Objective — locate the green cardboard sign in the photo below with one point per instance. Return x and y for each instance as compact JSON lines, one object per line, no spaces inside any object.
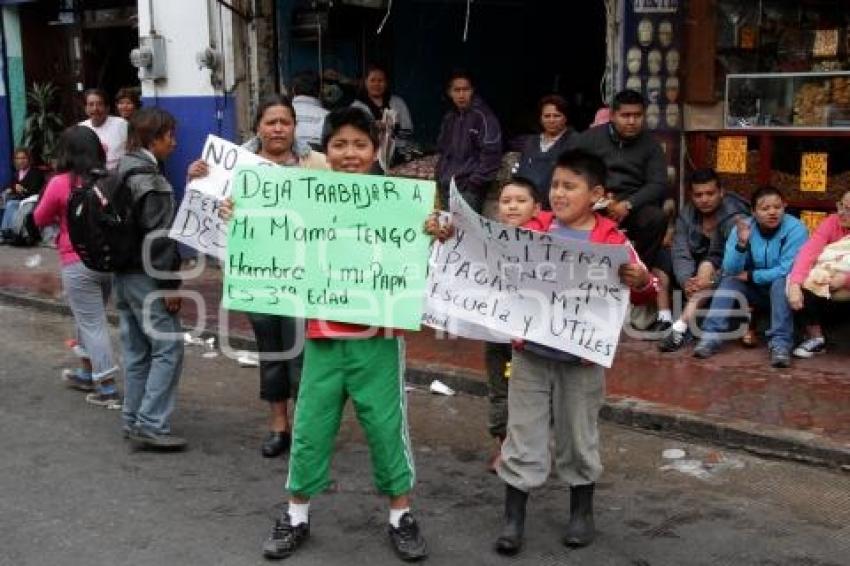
{"x":328,"y":245}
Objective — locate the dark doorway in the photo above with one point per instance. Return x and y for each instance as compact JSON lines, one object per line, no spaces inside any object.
{"x":106,"y":58}
{"x":518,"y":51}
{"x":89,"y":48}
{"x":49,"y":50}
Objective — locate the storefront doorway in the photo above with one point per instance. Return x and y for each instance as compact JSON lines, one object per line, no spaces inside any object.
{"x":517,"y":50}
{"x":78,"y":45}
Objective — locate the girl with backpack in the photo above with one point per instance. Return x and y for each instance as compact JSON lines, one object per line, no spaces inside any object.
{"x":87,"y":291}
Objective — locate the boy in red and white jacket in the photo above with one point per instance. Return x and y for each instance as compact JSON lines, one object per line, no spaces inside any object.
{"x":551,"y":386}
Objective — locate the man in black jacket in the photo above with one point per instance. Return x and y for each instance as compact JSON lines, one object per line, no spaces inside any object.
{"x":637,"y":173}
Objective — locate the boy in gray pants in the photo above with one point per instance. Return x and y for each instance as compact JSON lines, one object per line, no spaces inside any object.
{"x":551,"y":388}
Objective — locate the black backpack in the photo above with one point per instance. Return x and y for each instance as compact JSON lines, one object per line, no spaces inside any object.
{"x":101,"y":221}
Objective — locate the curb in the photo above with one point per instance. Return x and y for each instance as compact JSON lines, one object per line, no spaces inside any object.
{"x":739,"y":434}
{"x":760,"y":439}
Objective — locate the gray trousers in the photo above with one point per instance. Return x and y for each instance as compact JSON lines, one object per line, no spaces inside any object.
{"x":565,"y":398}
{"x":87,"y":293}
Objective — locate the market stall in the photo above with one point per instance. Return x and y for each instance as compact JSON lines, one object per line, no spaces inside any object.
{"x":768,"y":97}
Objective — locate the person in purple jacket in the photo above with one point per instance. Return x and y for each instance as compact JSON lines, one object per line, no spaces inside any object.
{"x":469,"y":145}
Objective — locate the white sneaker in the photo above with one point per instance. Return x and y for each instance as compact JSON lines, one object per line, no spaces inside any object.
{"x":248,"y":359}
{"x":809,"y":347}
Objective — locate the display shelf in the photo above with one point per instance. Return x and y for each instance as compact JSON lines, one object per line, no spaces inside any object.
{"x":788,"y":101}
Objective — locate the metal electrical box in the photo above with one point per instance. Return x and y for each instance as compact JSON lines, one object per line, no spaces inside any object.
{"x":149,"y":57}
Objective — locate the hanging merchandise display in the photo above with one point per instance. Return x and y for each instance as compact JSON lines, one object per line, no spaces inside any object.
{"x":672,"y":115}
{"x":653,"y":90}
{"x":652,"y":40}
{"x":653,"y":116}
{"x":665,"y":33}
{"x":783,"y":85}
{"x":672,"y":60}
{"x":645,"y":32}
{"x":671,"y":89}
{"x":653,"y":62}
{"x":634,"y":60}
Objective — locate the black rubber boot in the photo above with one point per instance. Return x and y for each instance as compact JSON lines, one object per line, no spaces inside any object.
{"x":510,"y":541}
{"x":580,"y":530}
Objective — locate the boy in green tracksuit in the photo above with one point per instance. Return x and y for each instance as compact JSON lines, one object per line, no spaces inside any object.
{"x":343,"y":361}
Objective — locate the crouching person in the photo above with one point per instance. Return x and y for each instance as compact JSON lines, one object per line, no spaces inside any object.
{"x":703,"y":225}
{"x":551,"y":386}
{"x":758,"y":258}
{"x":150,"y":329}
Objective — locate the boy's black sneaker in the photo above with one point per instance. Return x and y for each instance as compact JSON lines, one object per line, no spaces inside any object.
{"x":407,"y":540}
{"x":284,"y":538}
{"x":673,"y":341}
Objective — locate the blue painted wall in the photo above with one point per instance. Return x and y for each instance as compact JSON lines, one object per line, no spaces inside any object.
{"x":197,"y":116}
{"x":13,"y":101}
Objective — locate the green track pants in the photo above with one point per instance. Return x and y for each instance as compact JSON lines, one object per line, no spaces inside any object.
{"x":371,"y":373}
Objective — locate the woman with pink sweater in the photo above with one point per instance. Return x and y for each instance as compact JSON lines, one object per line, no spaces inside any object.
{"x":813,"y":308}
{"x":87,"y":291}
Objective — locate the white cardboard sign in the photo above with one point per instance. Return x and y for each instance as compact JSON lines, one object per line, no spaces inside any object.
{"x":196,"y":223}
{"x":494,"y":282}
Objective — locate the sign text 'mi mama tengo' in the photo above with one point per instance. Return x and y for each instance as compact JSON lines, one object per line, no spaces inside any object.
{"x":328,"y":245}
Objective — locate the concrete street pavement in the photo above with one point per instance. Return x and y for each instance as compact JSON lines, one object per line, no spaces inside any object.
{"x":74,"y":493}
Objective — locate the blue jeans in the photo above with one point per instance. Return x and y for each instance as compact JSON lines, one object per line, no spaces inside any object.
{"x":781,"y":332}
{"x":152,"y":364}
{"x":9,"y":213}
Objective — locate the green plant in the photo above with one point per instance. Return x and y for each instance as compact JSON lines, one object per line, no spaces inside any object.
{"x":42,"y":126}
